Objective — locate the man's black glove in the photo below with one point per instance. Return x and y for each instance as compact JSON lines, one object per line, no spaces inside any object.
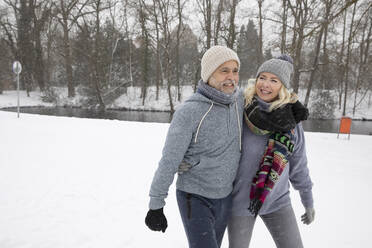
{"x":156,"y":221}
{"x":300,"y":112}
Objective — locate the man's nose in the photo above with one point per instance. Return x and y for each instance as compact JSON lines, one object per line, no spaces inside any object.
{"x":230,"y":75}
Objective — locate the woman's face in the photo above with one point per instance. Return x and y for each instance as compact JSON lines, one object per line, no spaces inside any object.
{"x":268,"y":86}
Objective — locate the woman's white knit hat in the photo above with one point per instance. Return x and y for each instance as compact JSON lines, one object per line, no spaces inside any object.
{"x":281,"y":66}
{"x":214,"y":57}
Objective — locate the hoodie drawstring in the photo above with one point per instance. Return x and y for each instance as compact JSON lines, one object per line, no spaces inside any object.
{"x":238,"y":119}
{"x":240,"y":129}
{"x":197,"y":131}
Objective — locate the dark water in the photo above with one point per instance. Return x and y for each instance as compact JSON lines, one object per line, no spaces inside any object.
{"x":125,"y":115}
{"x":329,"y":126}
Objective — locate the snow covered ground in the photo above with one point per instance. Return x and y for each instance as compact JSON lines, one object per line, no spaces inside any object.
{"x":79,"y":183}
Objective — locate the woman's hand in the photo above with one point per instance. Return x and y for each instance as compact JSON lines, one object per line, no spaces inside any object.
{"x":308,"y":216}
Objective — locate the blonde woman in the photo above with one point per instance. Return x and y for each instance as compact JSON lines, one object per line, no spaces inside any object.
{"x":273,"y":154}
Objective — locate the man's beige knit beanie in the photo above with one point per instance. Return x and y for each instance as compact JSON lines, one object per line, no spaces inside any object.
{"x":214,"y":57}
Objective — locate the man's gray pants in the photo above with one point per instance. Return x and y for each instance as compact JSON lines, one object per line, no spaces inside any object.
{"x":281,"y":224}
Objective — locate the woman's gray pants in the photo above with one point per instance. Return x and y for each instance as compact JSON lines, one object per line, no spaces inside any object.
{"x":281,"y":224}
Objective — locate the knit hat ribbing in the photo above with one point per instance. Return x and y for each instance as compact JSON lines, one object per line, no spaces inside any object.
{"x":282,"y":67}
{"x":214,"y":57}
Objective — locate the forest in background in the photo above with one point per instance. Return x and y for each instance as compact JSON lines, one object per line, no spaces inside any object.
{"x":98,"y":48}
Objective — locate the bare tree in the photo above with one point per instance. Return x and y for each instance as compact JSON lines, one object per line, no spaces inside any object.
{"x":300,"y":13}
{"x":180,"y":25}
{"x":260,"y":35}
{"x":322,"y":32}
{"x":10,"y":33}
{"x":39,"y":21}
{"x":284,"y":27}
{"x":158,"y":73}
{"x":24,"y":40}
{"x":205,"y":7}
{"x":115,"y":36}
{"x":128,"y":36}
{"x":314,"y":65}
{"x":145,"y":45}
{"x":364,"y":44}
{"x":348,"y":50}
{"x":231,"y":36}
{"x":51,"y":34}
{"x":218,"y":21}
{"x":304,"y":27}
{"x":324,"y":75}
{"x":67,"y":13}
{"x":340,"y":63}
{"x":164,"y":7}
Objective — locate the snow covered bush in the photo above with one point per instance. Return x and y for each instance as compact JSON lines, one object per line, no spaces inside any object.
{"x":323,"y":106}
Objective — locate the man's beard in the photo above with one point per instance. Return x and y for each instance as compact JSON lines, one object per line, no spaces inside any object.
{"x":228,"y":82}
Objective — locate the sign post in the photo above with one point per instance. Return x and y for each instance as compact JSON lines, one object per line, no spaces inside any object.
{"x":17,"y":68}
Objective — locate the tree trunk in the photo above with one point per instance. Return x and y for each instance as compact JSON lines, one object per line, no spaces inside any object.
{"x":197,"y":77}
{"x":341,"y":65}
{"x":324,"y":75}
{"x":260,"y":36}
{"x":158,"y":74}
{"x":68,"y":61}
{"x":284,"y":28}
{"x":39,"y":69}
{"x":97,"y":55}
{"x":178,"y":72}
{"x":145,"y":51}
{"x":363,"y":58}
{"x":25,"y":44}
{"x":232,"y":34}
{"x":297,"y":42}
{"x":297,"y":63}
{"x":208,"y":23}
{"x":218,"y":22}
{"x":315,"y":66}
{"x":48,"y":66}
{"x":39,"y":24}
{"x":169,"y":89}
{"x":348,"y":59}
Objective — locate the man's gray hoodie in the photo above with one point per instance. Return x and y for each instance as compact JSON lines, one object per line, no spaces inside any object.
{"x":206,"y":134}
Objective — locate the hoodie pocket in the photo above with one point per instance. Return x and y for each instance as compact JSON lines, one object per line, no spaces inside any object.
{"x":186,"y":166}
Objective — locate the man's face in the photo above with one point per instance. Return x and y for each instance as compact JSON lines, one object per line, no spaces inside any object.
{"x":225,"y":78}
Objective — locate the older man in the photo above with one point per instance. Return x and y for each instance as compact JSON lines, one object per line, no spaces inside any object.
{"x":205,"y":133}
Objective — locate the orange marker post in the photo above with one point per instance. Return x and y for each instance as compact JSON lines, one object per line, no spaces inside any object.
{"x":345,"y":126}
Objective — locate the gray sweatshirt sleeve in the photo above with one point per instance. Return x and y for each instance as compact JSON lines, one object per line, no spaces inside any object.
{"x":299,"y":172}
{"x":177,"y":142}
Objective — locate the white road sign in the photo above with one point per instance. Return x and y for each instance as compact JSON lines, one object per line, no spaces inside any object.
{"x":17,"y":67}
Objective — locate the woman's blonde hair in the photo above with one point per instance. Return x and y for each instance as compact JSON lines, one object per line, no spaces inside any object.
{"x":284,"y":96}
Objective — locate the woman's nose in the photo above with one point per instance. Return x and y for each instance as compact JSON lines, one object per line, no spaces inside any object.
{"x":265,"y":83}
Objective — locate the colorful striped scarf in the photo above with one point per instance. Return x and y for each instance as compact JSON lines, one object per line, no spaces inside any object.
{"x":279,"y":147}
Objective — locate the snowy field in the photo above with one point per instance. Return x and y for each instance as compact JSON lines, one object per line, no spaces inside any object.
{"x":79,"y":183}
